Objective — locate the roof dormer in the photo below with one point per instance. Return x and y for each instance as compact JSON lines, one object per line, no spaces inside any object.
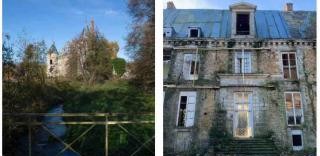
{"x":194,"y":32}
{"x":242,"y":25}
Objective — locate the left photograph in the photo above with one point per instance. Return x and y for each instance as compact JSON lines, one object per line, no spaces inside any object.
{"x":78,"y":78}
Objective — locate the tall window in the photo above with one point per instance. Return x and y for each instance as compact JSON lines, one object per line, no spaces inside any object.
{"x":289,"y":65}
{"x":191,"y":66}
{"x":50,"y":61}
{"x":294,"y":108}
{"x":166,"y":63}
{"x":243,"y":25}
{"x":297,"y":140}
{"x":243,"y":62}
{"x":186,"y":109}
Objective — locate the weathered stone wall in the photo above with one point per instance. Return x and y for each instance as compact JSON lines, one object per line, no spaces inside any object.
{"x":269,"y":107}
{"x":179,"y":139}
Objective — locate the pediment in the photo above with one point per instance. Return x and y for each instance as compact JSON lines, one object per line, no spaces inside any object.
{"x":242,"y":6}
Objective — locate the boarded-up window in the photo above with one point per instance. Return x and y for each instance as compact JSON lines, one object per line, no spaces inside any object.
{"x":191,"y":66}
{"x":243,"y":24}
{"x":186,"y":109}
{"x":289,"y":65}
{"x":243,"y":62}
{"x":297,"y":140}
{"x":294,"y":108}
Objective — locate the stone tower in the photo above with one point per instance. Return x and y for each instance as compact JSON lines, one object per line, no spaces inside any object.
{"x":52,"y":61}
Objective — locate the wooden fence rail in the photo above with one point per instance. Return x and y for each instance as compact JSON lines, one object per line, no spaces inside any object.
{"x":106,"y":122}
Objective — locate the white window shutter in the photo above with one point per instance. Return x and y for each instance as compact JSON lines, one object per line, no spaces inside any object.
{"x":248,"y":57}
{"x":186,"y":66}
{"x":191,"y":107}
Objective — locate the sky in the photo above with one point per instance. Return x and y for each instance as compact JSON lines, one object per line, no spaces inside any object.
{"x":60,"y":21}
{"x":224,"y":4}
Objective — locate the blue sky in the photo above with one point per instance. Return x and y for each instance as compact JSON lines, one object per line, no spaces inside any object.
{"x":261,"y":4}
{"x":62,"y":20}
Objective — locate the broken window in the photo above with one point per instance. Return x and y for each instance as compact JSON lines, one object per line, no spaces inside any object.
{"x":191,"y":66}
{"x":243,"y":25}
{"x":194,"y":32}
{"x":166,"y":63}
{"x":297,"y":141}
{"x":243,"y":62}
{"x":194,"y":69}
{"x":294,"y":108}
{"x":186,"y":109}
{"x":50,"y":61}
{"x":289,"y":65}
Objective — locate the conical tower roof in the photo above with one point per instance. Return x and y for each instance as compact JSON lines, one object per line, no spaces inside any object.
{"x":53,"y":49}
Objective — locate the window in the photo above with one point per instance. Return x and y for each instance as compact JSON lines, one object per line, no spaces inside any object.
{"x":243,"y":25}
{"x":289,"y":65}
{"x":297,"y":140}
{"x":243,"y":62}
{"x":50,"y":61}
{"x":242,"y":117}
{"x":191,"y":66}
{"x":167,"y":32}
{"x":186,"y":109}
{"x":194,"y":32}
{"x":294,"y":108}
{"x":166,"y":63}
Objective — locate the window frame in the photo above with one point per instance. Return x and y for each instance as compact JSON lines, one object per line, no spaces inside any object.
{"x":188,"y":94}
{"x":188,"y":75}
{"x":289,"y":66}
{"x":297,"y":132}
{"x":236,"y":27}
{"x":167,"y":32}
{"x":294,"y":109}
{"x":194,"y":28}
{"x":242,"y":65}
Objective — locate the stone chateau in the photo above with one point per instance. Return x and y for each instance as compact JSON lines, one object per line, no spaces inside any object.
{"x":239,"y":81}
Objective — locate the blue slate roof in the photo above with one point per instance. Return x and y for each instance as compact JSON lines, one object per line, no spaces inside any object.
{"x":217,"y":23}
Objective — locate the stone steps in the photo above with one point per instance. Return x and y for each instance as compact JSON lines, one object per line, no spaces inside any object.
{"x":255,"y":146}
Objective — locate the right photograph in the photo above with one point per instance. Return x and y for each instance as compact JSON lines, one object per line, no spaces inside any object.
{"x":239,"y":78}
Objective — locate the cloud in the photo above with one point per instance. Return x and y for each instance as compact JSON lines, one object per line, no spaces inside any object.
{"x":192,"y":4}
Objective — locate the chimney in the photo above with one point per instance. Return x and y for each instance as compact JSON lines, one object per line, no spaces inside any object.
{"x":288,"y":7}
{"x":170,"y":5}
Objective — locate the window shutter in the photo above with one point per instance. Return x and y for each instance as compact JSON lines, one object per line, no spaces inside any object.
{"x":191,"y":107}
{"x":187,"y":66}
{"x":247,"y":55}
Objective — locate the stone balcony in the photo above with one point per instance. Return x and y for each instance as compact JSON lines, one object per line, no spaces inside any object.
{"x":238,"y":80}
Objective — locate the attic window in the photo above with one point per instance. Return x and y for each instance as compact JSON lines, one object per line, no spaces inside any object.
{"x":167,"y":32}
{"x":243,"y":25}
{"x":194,"y":32}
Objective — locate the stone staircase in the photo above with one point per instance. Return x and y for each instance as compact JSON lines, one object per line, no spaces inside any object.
{"x":255,"y":146}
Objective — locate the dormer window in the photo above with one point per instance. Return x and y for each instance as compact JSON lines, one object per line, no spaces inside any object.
{"x":194,"y":32}
{"x":167,"y":32}
{"x":243,"y":24}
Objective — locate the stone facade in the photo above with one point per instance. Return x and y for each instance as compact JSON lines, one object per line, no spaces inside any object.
{"x":218,"y":83}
